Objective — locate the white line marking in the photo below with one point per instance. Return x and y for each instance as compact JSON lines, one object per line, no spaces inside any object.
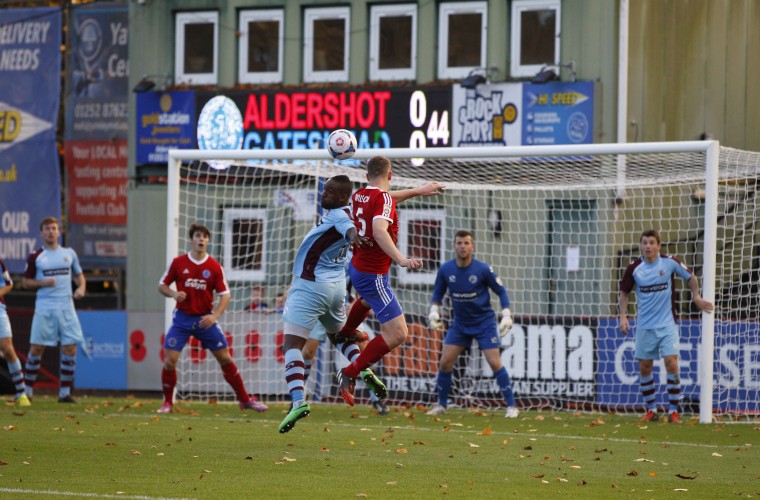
{"x":90,"y":495}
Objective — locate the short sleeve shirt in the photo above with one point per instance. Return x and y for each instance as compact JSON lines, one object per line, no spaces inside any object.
{"x":199,"y":280}
{"x":368,"y":204}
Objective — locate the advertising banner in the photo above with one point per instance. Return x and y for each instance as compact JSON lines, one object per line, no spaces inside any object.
{"x":488,"y":115}
{"x":97,"y":83}
{"x":97,"y":200}
{"x":558,"y":113}
{"x":102,"y":360}
{"x":165,"y":120}
{"x":30,"y":184}
{"x":380,"y":118}
{"x":96,"y":133}
{"x":737,"y":367}
{"x":514,"y":114}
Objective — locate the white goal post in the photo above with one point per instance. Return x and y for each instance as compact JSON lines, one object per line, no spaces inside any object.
{"x":550,"y":221}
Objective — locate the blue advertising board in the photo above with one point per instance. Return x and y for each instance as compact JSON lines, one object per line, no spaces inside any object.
{"x":30,"y":184}
{"x":558,"y":113}
{"x":97,"y":83}
{"x":736,"y":367}
{"x":165,"y":120}
{"x":102,"y":361}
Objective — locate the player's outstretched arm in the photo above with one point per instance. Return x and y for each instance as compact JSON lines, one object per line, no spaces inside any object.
{"x":383,"y":239}
{"x":430,"y":189}
{"x":696,"y":296}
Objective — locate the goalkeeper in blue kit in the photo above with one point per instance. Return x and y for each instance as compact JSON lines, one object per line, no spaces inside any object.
{"x":468,"y":282}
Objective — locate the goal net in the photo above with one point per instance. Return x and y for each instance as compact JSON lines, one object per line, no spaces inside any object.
{"x":559,"y":224}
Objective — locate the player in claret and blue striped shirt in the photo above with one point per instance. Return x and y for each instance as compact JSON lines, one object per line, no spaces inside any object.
{"x":50,"y":270}
{"x":652,"y":276}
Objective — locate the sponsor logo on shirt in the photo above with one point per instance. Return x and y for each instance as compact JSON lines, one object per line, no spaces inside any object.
{"x":195,"y":283}
{"x":56,"y":272}
{"x":653,"y":288}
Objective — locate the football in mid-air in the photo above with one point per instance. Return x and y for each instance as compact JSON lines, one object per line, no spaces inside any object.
{"x":341,"y":144}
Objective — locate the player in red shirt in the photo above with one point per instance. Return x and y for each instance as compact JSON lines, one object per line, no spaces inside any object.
{"x":197,"y":276}
{"x":374,"y":210}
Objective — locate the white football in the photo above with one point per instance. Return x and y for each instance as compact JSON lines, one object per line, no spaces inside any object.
{"x":341,"y":144}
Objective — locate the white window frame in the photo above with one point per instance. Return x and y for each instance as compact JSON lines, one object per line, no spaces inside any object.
{"x":230,"y":215}
{"x":445,"y":10}
{"x":316,"y":14}
{"x":182,"y":19}
{"x":376,"y":14}
{"x":247,"y":16}
{"x":518,"y":7}
{"x":406,"y":216}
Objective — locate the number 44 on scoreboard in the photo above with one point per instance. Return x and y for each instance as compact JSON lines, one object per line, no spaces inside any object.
{"x":437,"y":132}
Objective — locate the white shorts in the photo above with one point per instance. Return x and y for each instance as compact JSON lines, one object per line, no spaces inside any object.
{"x":48,"y":327}
{"x":310,"y":302}
{"x":5,"y":325}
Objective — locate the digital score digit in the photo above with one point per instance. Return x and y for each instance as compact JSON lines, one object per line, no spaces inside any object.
{"x":432,"y":129}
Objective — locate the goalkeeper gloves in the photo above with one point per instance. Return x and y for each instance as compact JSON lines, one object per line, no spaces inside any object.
{"x":506,"y":322}
{"x":434,"y":318}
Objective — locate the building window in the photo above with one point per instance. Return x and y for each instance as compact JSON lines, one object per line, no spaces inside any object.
{"x":421,"y":234}
{"x":535,"y":36}
{"x":261,"y":42}
{"x":245,"y":245}
{"x":461,"y":38}
{"x":326,"y":33}
{"x":196,"y":57}
{"x":393,"y":42}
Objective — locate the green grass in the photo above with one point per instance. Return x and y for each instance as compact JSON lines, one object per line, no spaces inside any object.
{"x":120,"y":447}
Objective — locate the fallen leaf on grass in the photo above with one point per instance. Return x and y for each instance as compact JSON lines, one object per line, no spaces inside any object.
{"x":582,"y":482}
{"x":444,"y":486}
{"x":324,"y":450}
{"x":717,"y":455}
{"x":9,"y":428}
{"x":486,"y":432}
{"x":3,"y":463}
{"x":680,"y":489}
{"x":575,"y":466}
{"x":652,"y":474}
{"x":634,"y":472}
{"x":560,"y":479}
{"x":473,"y":445}
{"x":392,"y":483}
{"x":643,"y":460}
{"x":135,"y":452}
{"x":537,"y":476}
{"x":361,"y":495}
{"x":600,"y":450}
{"x":684,"y":476}
{"x":401,"y":451}
{"x":288,"y":459}
{"x":418,"y":442}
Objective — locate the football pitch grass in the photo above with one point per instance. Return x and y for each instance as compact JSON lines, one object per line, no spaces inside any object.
{"x":120,"y":448}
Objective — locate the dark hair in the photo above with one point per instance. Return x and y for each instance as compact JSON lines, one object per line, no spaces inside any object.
{"x":651,"y":233}
{"x":463,"y":233}
{"x":196,"y":227}
{"x":49,"y":220}
{"x":378,"y":166}
{"x":344,"y":184}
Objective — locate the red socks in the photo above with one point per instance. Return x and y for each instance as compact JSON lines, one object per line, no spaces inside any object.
{"x":232,"y":376}
{"x":168,"y":381}
{"x":374,"y":352}
{"x":356,"y":315}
